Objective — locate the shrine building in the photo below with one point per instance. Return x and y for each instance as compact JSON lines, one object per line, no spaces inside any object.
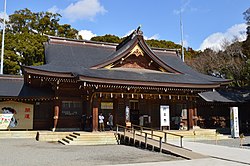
{"x":130,"y":80}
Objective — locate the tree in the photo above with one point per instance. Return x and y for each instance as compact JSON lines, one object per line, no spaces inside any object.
{"x":246,"y":43}
{"x":232,"y":63}
{"x":207,"y":62}
{"x":25,"y":35}
{"x":66,"y":31}
{"x":247,"y":18}
{"x":229,"y":64}
{"x":162,"y":44}
{"x":107,"y":38}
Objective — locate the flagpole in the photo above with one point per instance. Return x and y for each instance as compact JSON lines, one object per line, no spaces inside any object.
{"x":182,"y":48}
{"x":2,"y":51}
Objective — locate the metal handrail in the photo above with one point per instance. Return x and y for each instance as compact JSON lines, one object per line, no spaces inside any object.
{"x":165,"y":133}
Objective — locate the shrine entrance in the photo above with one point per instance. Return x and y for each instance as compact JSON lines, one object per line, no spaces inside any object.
{"x":134,"y":111}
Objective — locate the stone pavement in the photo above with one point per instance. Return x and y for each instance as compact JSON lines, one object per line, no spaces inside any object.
{"x":29,"y":152}
{"x":20,"y":152}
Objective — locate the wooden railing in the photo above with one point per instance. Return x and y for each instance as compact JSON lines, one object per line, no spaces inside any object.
{"x":142,"y":130}
{"x":159,"y":131}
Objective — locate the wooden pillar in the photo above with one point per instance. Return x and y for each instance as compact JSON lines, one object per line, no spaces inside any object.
{"x":94,"y":104}
{"x":56,"y":106}
{"x":56,"y":116}
{"x":190,"y":118}
{"x":95,"y":119}
{"x":192,"y":113}
{"x":195,"y":118}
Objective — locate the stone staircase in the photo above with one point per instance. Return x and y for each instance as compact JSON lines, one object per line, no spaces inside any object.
{"x":89,"y":138}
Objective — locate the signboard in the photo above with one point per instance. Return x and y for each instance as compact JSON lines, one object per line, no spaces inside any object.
{"x":164,"y":115}
{"x":234,"y":121}
{"x":106,"y":105}
{"x":16,"y":115}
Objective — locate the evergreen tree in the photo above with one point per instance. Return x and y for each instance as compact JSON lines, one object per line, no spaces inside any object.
{"x":26,"y":32}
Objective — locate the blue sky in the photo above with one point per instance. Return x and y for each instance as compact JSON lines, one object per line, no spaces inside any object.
{"x":206,"y":22}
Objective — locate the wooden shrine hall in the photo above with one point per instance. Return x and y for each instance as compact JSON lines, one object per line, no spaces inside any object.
{"x":130,"y":80}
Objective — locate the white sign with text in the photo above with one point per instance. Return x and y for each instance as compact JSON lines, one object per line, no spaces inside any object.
{"x":234,"y":121}
{"x":164,"y":113}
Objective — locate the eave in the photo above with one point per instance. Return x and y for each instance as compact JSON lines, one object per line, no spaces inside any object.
{"x":29,"y":70}
{"x":147,"y":83}
{"x":81,"y":78}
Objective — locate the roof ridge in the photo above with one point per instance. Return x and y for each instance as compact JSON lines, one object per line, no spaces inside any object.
{"x":53,"y":39}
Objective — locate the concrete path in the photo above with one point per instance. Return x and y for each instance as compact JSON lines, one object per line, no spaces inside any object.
{"x":218,"y":155}
{"x":196,"y":162}
{"x":236,"y":155}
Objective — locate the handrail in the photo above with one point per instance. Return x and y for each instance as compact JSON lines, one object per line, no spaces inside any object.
{"x":141,"y":132}
{"x":146,"y":137}
{"x":178,"y":135}
{"x":152,"y":134}
{"x":165,"y":133}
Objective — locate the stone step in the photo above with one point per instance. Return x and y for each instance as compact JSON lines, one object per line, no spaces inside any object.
{"x":188,"y":132}
{"x":77,"y":133}
{"x":18,"y":134}
{"x":50,"y":136}
{"x":93,"y":133}
{"x":63,"y":142}
{"x":93,"y":143}
{"x":70,"y":138}
{"x":67,"y":140}
{"x":199,"y":134}
{"x":94,"y":138}
{"x":73,"y":135}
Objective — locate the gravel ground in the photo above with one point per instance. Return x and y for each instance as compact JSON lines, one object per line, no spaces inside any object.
{"x":231,"y":142}
{"x":28,"y":152}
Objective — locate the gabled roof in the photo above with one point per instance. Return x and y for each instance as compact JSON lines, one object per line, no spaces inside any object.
{"x":101,"y":62}
{"x":134,"y":44}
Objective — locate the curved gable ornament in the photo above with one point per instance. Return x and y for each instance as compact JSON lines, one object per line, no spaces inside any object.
{"x":133,"y":52}
{"x":137,"y":51}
